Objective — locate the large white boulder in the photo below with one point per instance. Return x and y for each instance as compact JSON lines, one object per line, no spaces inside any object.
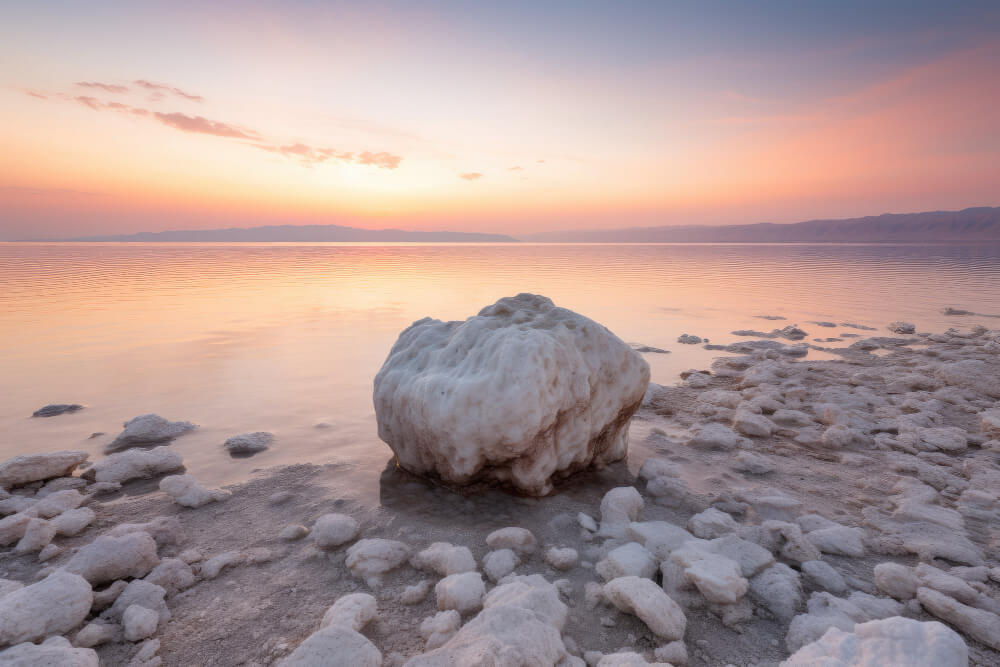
{"x":521,"y":394}
{"x":892,"y":641}
{"x":52,"y":606}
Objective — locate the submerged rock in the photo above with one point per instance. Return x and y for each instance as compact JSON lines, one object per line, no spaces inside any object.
{"x":249,"y":443}
{"x":56,"y":409}
{"x":489,"y":399}
{"x":148,"y":430}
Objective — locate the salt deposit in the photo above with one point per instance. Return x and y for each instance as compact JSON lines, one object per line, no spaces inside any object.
{"x":488,"y":398}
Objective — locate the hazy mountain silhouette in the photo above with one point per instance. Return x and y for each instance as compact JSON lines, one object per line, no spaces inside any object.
{"x":971,"y":224}
{"x":305,"y":233}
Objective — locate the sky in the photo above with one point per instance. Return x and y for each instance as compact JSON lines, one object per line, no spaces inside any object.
{"x":510,"y":117}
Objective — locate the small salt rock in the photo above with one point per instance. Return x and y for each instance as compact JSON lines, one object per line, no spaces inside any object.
{"x":586,"y":522}
{"x":191,"y":556}
{"x":675,"y":653}
{"x":95,"y":633}
{"x":146,"y":656}
{"x":519,"y":540}
{"x":607,"y":621}
{"x":416,"y":593}
{"x":279,"y":497}
{"x":104,"y":598}
{"x":498,"y":564}
{"x":333,"y":530}
{"x":49,"y":552}
{"x":561,"y":558}
{"x":293,"y":532}
{"x":139,"y":622}
{"x":249,"y":443}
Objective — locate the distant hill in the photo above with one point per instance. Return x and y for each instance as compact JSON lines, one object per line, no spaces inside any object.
{"x":971,"y":224}
{"x":304,"y":233}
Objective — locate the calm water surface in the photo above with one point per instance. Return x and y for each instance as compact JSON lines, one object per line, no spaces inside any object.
{"x":285,"y":337}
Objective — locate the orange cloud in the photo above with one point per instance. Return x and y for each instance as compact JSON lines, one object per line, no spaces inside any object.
{"x":471,"y":176}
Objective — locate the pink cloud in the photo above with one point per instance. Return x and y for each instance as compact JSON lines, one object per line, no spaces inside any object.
{"x":106,"y":87}
{"x":202,"y":125}
{"x":471,"y":176}
{"x":158,"y":89}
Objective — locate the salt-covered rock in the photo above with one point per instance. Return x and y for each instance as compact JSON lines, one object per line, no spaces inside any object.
{"x":292,"y":532}
{"x":106,"y":597}
{"x":146,"y":655}
{"x":148,"y":430}
{"x":753,"y":464}
{"x":561,"y":558}
{"x":826,"y":611}
{"x":792,"y":543}
{"x":945,"y":438}
{"x":821,"y":575}
{"x":143,"y":594}
{"x":29,"y":468}
{"x":173,"y":575}
{"x":689,"y":339}
{"x":37,"y":536}
{"x":136,"y":464}
{"x":139,"y":623}
{"x":711,"y":523}
{"x":489,"y":398}
{"x":214,"y":566}
{"x":586,"y":522}
{"x":108,"y":558}
{"x":444,"y":559}
{"x":57,"y":503}
{"x":717,"y":578}
{"x":974,"y":374}
{"x":842,"y":540}
{"x":333,"y":530}
{"x":12,"y":527}
{"x":55,"y":605}
{"x":717,"y":436}
{"x":438,"y":629}
{"x":673,"y":653}
{"x":249,"y":443}
{"x":751,"y":558}
{"x":892,"y":641}
{"x":416,"y":593}
{"x":619,"y":507}
{"x":370,"y":559}
{"x":334,"y":646}
{"x":461,"y":592}
{"x":353,"y":611}
{"x":186,"y":491}
{"x":49,"y":551}
{"x":97,"y":632}
{"x":659,"y":537}
{"x":779,"y":589}
{"x":498,"y":564}
{"x":752,"y":424}
{"x":630,"y":559}
{"x":643,"y":598}
{"x":989,"y":423}
{"x":623,"y":659}
{"x":532,"y":593}
{"x":979,"y":624}
{"x":165,"y":530}
{"x":72,"y":522}
{"x":520,"y":540}
{"x":16,"y":505}
{"x":53,"y":651}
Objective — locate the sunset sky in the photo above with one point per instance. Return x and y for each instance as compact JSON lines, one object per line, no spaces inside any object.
{"x":507,"y":117}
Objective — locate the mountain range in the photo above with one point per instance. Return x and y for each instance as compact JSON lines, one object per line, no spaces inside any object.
{"x":980,"y":224}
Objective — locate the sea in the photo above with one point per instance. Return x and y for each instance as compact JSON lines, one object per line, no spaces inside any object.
{"x":287,"y":338}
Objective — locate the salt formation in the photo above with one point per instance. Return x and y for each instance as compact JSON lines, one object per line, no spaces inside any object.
{"x":148,"y":430}
{"x":523,"y":393}
{"x":36,"y":467}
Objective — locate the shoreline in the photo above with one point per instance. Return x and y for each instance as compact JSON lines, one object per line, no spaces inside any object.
{"x":886,"y":461}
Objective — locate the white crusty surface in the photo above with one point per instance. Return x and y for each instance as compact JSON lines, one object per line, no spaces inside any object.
{"x":523,"y":392}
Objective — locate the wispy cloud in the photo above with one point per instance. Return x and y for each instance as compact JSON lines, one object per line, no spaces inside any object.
{"x":471,"y":176}
{"x":202,"y":125}
{"x":309,"y":156}
{"x":303,"y":153}
{"x":106,"y":87}
{"x":158,"y":90}
{"x":515,"y":169}
{"x":41,"y":192}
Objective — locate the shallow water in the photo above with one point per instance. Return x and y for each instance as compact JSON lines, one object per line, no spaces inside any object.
{"x":285,"y":337}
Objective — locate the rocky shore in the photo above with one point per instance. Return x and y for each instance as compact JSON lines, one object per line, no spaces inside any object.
{"x":774,"y":509}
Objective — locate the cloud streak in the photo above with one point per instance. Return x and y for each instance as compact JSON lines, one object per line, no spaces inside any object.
{"x":303,"y":153}
{"x":471,"y":176}
{"x":106,"y":87}
{"x":158,"y":90}
{"x":202,"y":125}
